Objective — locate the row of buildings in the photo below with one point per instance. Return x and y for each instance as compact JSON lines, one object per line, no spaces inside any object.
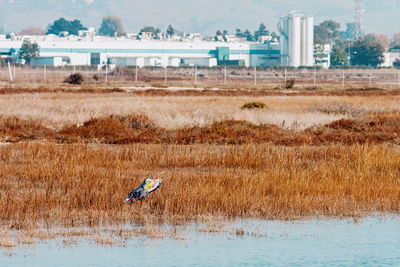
{"x":294,"y":48}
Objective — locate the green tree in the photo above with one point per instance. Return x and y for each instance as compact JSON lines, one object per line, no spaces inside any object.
{"x":262,"y":31}
{"x":217,"y":36}
{"x":365,"y":53}
{"x":350,"y":33}
{"x":239,"y":33}
{"x":112,"y":26}
{"x":338,"y":57}
{"x":247,"y":34}
{"x":327,"y":31}
{"x":151,"y":29}
{"x":170,"y":31}
{"x":29,"y":51}
{"x":63,"y":25}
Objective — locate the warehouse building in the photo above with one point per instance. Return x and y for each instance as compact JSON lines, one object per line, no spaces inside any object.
{"x":98,"y":51}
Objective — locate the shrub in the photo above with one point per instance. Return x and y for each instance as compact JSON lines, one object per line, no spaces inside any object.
{"x":253,"y":105}
{"x":74,"y":78}
{"x":96,"y":77}
{"x":290,"y":83}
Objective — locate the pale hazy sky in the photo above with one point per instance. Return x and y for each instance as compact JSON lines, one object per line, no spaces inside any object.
{"x":205,"y":16}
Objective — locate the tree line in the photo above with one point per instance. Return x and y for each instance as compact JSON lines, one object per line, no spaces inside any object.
{"x":346,"y":51}
{"x":113,"y":26}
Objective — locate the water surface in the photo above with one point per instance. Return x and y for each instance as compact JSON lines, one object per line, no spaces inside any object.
{"x":369,"y":242}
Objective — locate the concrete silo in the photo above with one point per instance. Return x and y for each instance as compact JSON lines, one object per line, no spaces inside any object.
{"x":309,"y":22}
{"x":297,"y":40}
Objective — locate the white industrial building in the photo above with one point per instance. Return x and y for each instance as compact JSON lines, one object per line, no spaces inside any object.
{"x":390,"y":57}
{"x":98,"y":50}
{"x":297,"y":40}
{"x":295,"y":48}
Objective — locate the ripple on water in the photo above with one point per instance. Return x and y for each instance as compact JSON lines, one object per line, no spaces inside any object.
{"x":370,"y":241}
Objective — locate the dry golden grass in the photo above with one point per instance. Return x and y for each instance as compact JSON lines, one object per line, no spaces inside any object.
{"x":58,"y":110}
{"x":75,"y":185}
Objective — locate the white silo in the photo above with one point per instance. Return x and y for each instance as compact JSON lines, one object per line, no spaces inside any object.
{"x":294,"y":40}
{"x":284,"y":40}
{"x":303,"y":42}
{"x":309,"y":21}
{"x":297,"y":40}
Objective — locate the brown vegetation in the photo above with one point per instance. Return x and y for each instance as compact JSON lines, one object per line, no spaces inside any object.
{"x":313,"y":153}
{"x":373,"y":128}
{"x":73,"y":185}
{"x":162,"y":90}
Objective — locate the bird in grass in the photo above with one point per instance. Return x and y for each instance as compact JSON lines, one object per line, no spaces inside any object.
{"x":149,"y":185}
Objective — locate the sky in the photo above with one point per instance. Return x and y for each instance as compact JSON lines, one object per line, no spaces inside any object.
{"x":205,"y":16}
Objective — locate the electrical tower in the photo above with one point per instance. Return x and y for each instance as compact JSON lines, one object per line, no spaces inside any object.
{"x":357,"y":20}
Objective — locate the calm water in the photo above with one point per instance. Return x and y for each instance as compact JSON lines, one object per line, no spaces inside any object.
{"x":370,"y":242}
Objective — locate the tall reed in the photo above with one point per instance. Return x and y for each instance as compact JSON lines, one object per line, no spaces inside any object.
{"x":44,"y":183}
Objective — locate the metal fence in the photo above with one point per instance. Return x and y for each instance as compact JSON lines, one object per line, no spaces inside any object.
{"x":199,"y":76}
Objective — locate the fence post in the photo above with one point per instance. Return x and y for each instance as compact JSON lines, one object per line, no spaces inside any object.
{"x":370,"y":78}
{"x":195,"y":75}
{"x":136,"y":74}
{"x":255,"y":76}
{"x":106,"y":73}
{"x":165,"y":75}
{"x":315,"y":77}
{"x":225,"y":75}
{"x":9,"y":72}
{"x":44,"y":74}
{"x":343,"y":80}
{"x":285,"y":75}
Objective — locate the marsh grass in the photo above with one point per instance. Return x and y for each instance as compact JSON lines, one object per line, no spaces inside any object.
{"x":84,"y":185}
{"x":370,"y":128}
